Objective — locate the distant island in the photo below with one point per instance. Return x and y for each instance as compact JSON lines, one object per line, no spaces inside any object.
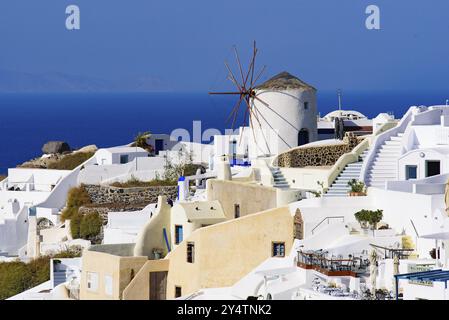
{"x":23,"y":82}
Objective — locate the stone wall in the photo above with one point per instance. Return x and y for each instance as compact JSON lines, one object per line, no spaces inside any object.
{"x":325,"y":155}
{"x":125,"y":197}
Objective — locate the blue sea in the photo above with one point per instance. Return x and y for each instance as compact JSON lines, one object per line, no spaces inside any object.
{"x":27,"y":121}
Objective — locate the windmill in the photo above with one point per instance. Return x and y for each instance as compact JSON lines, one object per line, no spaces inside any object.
{"x":272,"y":116}
{"x":245,"y":91}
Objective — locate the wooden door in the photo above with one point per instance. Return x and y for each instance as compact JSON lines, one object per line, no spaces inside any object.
{"x":158,"y":285}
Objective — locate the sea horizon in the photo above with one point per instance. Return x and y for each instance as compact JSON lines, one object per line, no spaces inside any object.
{"x":107,"y":119}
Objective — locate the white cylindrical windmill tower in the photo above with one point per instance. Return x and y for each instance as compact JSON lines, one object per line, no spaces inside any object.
{"x":284,"y":115}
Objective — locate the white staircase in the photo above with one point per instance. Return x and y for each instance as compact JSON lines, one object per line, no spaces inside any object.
{"x":340,"y":187}
{"x":62,"y":276}
{"x":384,"y":166}
{"x":279,"y":179}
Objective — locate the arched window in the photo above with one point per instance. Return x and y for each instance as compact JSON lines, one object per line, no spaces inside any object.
{"x":303,"y":137}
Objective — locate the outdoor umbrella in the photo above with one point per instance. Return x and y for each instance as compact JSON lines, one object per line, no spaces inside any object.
{"x":395,"y":271}
{"x":373,"y":270}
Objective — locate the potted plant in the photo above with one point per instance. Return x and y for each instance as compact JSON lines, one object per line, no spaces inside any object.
{"x":157,"y":253}
{"x":57,"y":265}
{"x":319,"y":193}
{"x":357,"y":188}
{"x":369,"y":218}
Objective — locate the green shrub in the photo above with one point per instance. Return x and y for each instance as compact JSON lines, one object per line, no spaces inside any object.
{"x":90,"y":226}
{"x":15,"y":277}
{"x":136,"y":183}
{"x":190,"y":169}
{"x":72,"y":252}
{"x":71,"y":161}
{"x":40,"y":270}
{"x":76,"y":198}
{"x":356,"y":186}
{"x":75,"y":224}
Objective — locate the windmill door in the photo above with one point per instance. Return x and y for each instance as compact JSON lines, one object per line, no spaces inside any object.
{"x":303,"y":137}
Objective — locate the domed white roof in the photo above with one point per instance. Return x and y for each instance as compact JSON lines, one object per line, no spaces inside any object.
{"x":345,"y":114}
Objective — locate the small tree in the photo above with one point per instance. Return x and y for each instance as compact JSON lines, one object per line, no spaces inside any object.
{"x":369,"y":218}
{"x":76,"y":198}
{"x":90,"y":226}
{"x":184,"y":165}
{"x":75,"y":222}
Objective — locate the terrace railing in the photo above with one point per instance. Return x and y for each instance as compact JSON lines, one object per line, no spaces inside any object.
{"x":327,"y":219}
{"x":351,"y":266}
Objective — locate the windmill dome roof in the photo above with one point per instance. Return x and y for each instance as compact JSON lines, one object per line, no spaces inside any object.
{"x":284,"y":81}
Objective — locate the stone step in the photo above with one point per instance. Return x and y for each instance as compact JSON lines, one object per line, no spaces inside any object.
{"x":330,"y":194}
{"x":392,"y":143}
{"x":346,"y":179}
{"x":380,"y":167}
{"x":384,"y":175}
{"x":357,"y":165}
{"x":387,"y":149}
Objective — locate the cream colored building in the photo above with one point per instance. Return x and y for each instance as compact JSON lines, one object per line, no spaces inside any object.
{"x":213,"y":256}
{"x":106,"y":274}
{"x":239,"y":199}
{"x":186,"y":217}
{"x":223,"y":238}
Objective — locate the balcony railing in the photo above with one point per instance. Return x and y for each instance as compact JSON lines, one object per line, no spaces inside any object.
{"x":351,"y":266}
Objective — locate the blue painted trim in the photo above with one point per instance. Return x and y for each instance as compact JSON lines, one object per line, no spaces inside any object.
{"x":166,"y":239}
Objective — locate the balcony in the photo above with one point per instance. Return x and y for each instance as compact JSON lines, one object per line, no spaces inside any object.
{"x":332,"y":266}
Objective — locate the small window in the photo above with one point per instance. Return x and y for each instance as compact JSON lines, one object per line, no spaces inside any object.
{"x":306,"y":105}
{"x":124,"y":158}
{"x":411,"y":172}
{"x":190,"y":252}
{"x":178,"y":234}
{"x":92,"y":281}
{"x":178,"y":292}
{"x":108,"y":285}
{"x":278,"y":249}
{"x":236,"y":211}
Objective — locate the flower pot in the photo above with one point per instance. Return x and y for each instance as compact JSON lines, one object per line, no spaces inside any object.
{"x":356,"y":194}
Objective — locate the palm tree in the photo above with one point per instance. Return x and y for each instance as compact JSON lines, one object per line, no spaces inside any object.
{"x":141,"y":141}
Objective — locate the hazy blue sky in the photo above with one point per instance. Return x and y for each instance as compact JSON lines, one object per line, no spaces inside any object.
{"x":324,"y":42}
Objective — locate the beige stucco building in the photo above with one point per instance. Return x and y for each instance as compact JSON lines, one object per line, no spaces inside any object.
{"x":213,"y":256}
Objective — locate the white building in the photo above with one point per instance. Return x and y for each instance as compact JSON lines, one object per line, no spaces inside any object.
{"x":406,"y":171}
{"x":119,"y":155}
{"x":124,"y":227}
